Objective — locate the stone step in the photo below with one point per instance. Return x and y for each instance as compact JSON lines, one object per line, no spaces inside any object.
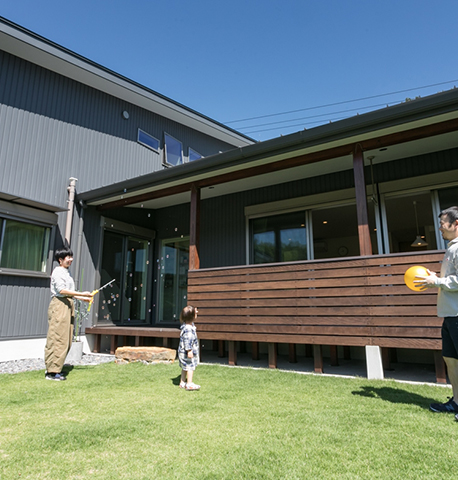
{"x":145,"y":354}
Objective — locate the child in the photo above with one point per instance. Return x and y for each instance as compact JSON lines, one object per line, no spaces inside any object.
{"x":188,"y":350}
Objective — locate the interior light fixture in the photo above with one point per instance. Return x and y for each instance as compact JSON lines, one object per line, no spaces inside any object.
{"x":418,"y":242}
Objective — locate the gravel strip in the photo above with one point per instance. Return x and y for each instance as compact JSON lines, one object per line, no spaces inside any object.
{"x":29,"y":364}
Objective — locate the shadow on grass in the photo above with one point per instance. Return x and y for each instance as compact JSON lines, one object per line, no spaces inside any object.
{"x":176,"y":380}
{"x":394,"y":395}
{"x":67,"y":369}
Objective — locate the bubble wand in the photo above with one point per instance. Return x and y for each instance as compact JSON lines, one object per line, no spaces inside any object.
{"x":97,"y":291}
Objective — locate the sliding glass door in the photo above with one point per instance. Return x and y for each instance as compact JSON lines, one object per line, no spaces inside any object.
{"x":124,"y":259}
{"x":173,"y":278}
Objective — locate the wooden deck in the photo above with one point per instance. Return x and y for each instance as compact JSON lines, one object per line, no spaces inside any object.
{"x":357,"y":301}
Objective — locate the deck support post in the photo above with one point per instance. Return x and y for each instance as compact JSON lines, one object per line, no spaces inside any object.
{"x":365,"y":245}
{"x":292,"y":353}
{"x":113,"y":344}
{"x":318,"y":358}
{"x":272,"y":348}
{"x":232,"y":351}
{"x":255,"y":350}
{"x":441,"y":373}
{"x":386,"y":358}
{"x":194,"y":229}
{"x":97,"y":343}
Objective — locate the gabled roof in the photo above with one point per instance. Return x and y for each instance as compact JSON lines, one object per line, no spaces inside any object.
{"x":25,"y":44}
{"x":411,"y":128}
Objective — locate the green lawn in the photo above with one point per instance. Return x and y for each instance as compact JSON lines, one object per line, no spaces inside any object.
{"x":134,"y":422}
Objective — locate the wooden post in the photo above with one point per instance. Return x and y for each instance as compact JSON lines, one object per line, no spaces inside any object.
{"x":386,"y":358}
{"x":194,"y":229}
{"x":272,"y":348}
{"x":98,"y":342}
{"x":292,"y":353}
{"x":255,"y":350}
{"x":441,"y":374}
{"x":334,"y":355}
{"x":232,"y":351}
{"x":365,"y":246}
{"x":114,"y":344}
{"x":318,"y":358}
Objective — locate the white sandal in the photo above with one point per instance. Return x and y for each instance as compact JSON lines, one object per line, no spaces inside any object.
{"x":192,"y":386}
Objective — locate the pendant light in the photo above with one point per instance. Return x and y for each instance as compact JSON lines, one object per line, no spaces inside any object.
{"x":418,"y":242}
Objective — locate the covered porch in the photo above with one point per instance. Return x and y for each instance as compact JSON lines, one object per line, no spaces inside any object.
{"x":351,"y":301}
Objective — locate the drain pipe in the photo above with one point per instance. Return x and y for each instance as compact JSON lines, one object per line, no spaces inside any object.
{"x":71,"y":205}
{"x":79,"y":245}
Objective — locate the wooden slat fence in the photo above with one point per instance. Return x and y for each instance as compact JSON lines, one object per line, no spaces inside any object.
{"x":349,"y":302}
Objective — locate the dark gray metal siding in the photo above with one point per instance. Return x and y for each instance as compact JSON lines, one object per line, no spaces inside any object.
{"x":53,"y":128}
{"x":23,"y":307}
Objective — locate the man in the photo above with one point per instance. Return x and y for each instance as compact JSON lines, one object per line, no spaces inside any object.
{"x":61,"y":315}
{"x":447,"y":304}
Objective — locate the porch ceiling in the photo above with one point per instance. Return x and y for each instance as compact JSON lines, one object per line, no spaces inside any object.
{"x":418,"y":147}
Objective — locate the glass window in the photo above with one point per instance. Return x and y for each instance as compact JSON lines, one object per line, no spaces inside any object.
{"x":408,"y":218}
{"x":148,"y":140}
{"x":335,"y":232}
{"x":173,"y":286}
{"x":448,"y":197}
{"x":278,"y":238}
{"x":173,"y":151}
{"x":193,"y":155}
{"x":23,"y":246}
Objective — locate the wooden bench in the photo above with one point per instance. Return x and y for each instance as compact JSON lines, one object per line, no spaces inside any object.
{"x":357,"y":301}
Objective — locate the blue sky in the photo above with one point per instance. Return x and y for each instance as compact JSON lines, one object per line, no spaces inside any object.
{"x":258,"y":58}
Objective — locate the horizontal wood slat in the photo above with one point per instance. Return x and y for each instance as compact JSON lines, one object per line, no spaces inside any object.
{"x":354,"y":301}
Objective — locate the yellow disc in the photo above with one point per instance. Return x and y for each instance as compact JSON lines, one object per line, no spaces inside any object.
{"x":410,"y":275}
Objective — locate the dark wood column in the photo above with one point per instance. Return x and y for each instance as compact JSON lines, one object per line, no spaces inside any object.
{"x":365,"y":245}
{"x":194,"y":229}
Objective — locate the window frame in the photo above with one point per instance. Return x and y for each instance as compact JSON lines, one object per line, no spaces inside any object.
{"x":195,"y":152}
{"x":306,"y":204}
{"x":145,"y":144}
{"x":164,"y":158}
{"x":30,"y":216}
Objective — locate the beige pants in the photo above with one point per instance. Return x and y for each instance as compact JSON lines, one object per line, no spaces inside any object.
{"x":61,"y":315}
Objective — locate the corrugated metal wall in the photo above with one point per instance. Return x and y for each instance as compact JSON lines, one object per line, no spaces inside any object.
{"x":53,"y":128}
{"x":23,"y":307}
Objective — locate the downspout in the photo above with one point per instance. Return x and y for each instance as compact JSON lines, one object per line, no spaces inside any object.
{"x":79,"y":245}
{"x":71,"y":204}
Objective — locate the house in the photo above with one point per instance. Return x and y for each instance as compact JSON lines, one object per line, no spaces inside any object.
{"x":68,"y":125}
{"x":295,"y":244}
